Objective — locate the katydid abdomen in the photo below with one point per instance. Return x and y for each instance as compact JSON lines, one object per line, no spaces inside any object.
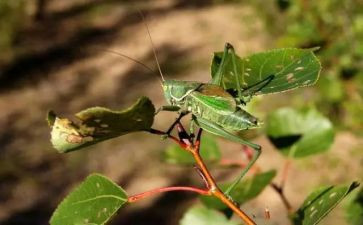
{"x":236,"y":120}
{"x":210,"y":102}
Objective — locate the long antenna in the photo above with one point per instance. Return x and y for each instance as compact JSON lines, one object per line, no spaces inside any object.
{"x":129,"y":58}
{"x":152,"y":43}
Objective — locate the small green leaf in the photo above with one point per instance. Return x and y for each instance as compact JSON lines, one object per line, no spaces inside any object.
{"x":209,"y":151}
{"x":244,"y":191}
{"x":199,"y":215}
{"x":99,"y":124}
{"x":94,"y":202}
{"x":299,"y":133}
{"x":251,"y":188}
{"x":354,"y":210}
{"x":319,"y":203}
{"x":292,"y":68}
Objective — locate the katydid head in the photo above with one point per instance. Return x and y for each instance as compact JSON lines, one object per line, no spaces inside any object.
{"x":176,"y":90}
{"x":167,"y":87}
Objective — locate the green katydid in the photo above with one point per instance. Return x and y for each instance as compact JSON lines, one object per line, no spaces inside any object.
{"x":217,"y":106}
{"x":213,"y":108}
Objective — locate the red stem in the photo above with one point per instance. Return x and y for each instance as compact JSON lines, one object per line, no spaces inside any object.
{"x":285,"y":201}
{"x":146,"y":194}
{"x":285,"y":172}
{"x":247,"y":151}
{"x":213,"y":189}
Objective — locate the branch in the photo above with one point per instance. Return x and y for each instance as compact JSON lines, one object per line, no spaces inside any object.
{"x":280,"y":188}
{"x":213,"y":188}
{"x":185,"y":141}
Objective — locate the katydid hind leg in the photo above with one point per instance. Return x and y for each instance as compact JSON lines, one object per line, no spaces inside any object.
{"x":245,"y":170}
{"x":171,"y":108}
{"x":236,"y":75}
{"x":250,"y":91}
{"x":218,"y":130}
{"x":217,"y":79}
{"x":260,"y":85}
{"x":192,"y":127}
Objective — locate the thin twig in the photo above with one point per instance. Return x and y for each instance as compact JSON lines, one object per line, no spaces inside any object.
{"x":248,"y":152}
{"x":285,"y":171}
{"x":219,"y":194}
{"x":280,"y":192}
{"x":202,"y":176}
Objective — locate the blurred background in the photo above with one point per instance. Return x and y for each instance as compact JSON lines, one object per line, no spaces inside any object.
{"x":53,"y":56}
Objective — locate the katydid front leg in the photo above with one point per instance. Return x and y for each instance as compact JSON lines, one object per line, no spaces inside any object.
{"x":181,"y":115}
{"x":168,"y":108}
{"x":218,"y":130}
{"x":172,"y":108}
{"x":192,"y":127}
{"x":259,"y":86}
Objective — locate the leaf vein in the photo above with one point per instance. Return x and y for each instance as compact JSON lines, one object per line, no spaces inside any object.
{"x":99,"y":197}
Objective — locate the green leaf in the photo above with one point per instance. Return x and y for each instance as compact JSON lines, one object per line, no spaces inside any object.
{"x":251,"y":188}
{"x":292,"y":68}
{"x":319,"y":203}
{"x":209,"y":151}
{"x":95,"y":201}
{"x":299,"y":133}
{"x":98,"y":124}
{"x":244,"y":191}
{"x":199,"y":215}
{"x":354,"y":210}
